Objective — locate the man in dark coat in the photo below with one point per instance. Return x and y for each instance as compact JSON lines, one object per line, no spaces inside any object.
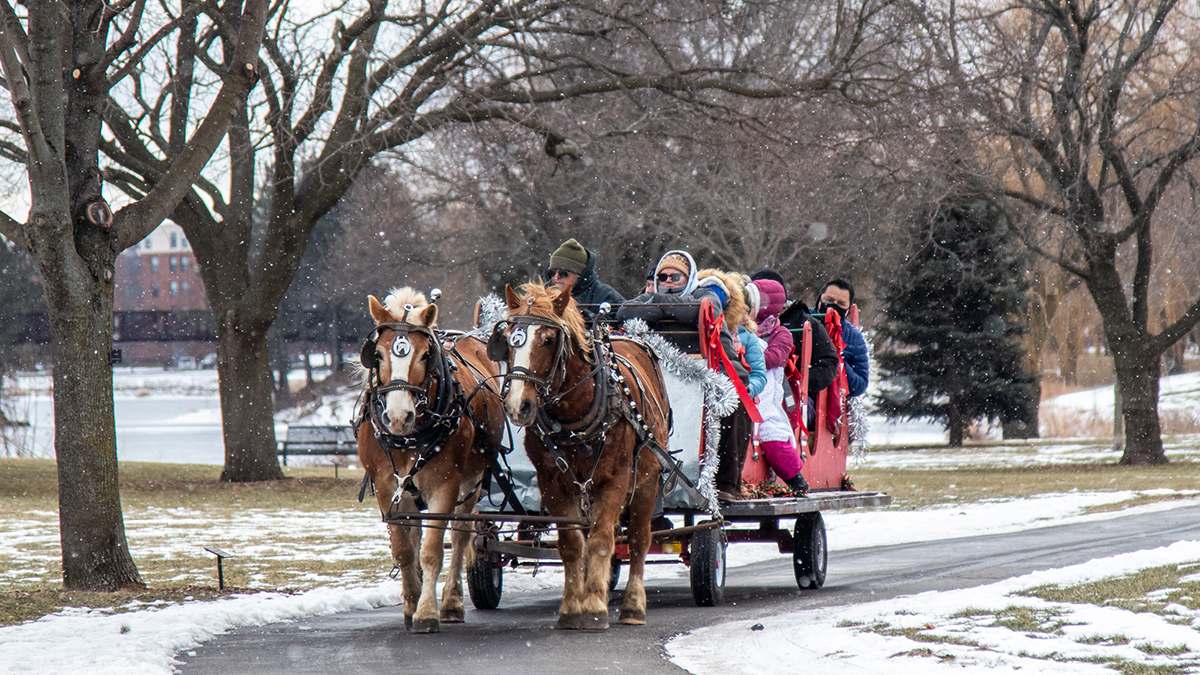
{"x":572,"y":263}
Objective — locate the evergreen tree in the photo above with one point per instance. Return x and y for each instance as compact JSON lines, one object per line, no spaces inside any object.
{"x":19,"y":294}
{"x":951,"y":319}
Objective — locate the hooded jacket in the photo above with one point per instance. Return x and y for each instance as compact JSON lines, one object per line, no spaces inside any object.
{"x":589,"y":290}
{"x":675,"y":314}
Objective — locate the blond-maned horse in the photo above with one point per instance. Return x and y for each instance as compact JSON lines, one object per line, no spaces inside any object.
{"x":591,"y":411}
{"x":427,"y":418}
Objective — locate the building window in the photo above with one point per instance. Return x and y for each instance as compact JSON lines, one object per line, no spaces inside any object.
{"x":173,"y":263}
{"x":154,"y":264}
{"x":146,"y":242}
{"x":185,"y":288}
{"x":154,"y":289}
{"x":183,"y":243}
{"x":174,"y":288}
{"x":132,"y":291}
{"x":174,"y":240}
{"x":183,"y":264}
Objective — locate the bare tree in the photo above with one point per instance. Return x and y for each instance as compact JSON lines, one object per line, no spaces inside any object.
{"x":66,"y":66}
{"x":388,"y":77}
{"x":1099,"y":104}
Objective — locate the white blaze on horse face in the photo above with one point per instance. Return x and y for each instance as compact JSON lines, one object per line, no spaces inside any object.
{"x":522,"y":353}
{"x":399,"y":406}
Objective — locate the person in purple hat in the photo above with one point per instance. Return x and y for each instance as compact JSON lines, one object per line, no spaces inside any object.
{"x":775,"y":432}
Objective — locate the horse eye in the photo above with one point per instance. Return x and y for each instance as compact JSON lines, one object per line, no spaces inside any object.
{"x":549,"y":340}
{"x":425,"y":357}
{"x":378,"y":356}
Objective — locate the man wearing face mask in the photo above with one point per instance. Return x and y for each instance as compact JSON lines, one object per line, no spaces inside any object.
{"x":837,"y":296}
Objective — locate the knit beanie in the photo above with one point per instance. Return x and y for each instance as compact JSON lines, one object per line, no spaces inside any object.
{"x":674,"y":260}
{"x":773,"y":297}
{"x":571,"y":256}
{"x":767,"y":273}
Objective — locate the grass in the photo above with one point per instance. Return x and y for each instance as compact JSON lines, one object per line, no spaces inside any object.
{"x":1150,"y":590}
{"x":167,"y":503}
{"x":917,"y":488}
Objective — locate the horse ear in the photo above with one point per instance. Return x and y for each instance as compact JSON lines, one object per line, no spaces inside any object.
{"x":378,"y":312}
{"x":562,"y":300}
{"x":429,"y":316}
{"x":510,"y":296}
{"x":478,"y":311}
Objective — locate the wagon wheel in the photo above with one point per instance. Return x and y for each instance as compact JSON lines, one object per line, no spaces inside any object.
{"x":614,"y":575}
{"x":708,"y":567}
{"x":810,"y":555}
{"x":485,"y":581}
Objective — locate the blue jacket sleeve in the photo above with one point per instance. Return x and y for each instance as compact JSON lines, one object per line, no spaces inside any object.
{"x":858,"y":364}
{"x":754,"y":357}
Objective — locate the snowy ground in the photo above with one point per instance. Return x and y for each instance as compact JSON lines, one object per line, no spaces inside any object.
{"x":175,"y":416}
{"x":995,"y":628}
{"x":146,"y":639}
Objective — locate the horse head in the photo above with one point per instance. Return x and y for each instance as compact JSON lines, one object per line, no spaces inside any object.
{"x":543,"y":332}
{"x":399,"y":355}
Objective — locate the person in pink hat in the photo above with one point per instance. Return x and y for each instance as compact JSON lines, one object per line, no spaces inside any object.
{"x":778,"y":441}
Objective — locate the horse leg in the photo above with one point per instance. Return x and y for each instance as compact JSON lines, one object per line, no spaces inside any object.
{"x":405,"y":541}
{"x":427,"y":619}
{"x":453,"y":610}
{"x":641,"y":512}
{"x":599,"y":550}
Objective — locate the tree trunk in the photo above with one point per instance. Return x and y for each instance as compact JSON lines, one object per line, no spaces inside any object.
{"x":95,"y":554}
{"x":956,"y":425}
{"x":1026,"y":428}
{"x":248,"y":425}
{"x":1138,"y":378}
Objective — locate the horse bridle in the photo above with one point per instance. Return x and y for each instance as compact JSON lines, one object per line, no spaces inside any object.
{"x":499,"y":350}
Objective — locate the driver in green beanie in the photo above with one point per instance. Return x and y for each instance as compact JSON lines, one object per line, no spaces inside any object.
{"x":573,"y":264}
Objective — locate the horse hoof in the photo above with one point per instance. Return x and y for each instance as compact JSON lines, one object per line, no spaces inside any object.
{"x":408,"y":622}
{"x":632,"y":617}
{"x":595,"y":620}
{"x":569,"y":622}
{"x":426,"y":626}
{"x":453,"y":615}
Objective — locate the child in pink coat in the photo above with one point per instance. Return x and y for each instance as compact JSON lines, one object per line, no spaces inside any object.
{"x":778,"y":440}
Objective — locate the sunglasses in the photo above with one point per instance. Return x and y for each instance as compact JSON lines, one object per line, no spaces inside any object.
{"x":672,"y":277}
{"x":559,"y":273}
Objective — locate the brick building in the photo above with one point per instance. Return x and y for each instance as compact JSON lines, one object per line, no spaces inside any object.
{"x":160,"y":273}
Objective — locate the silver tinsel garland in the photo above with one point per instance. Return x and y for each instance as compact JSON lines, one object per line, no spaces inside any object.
{"x":720,"y":398}
{"x":492,"y":309}
{"x":859,"y":425}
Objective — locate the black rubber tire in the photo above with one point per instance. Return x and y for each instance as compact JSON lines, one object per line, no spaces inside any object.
{"x":810,"y":553}
{"x":614,"y":574}
{"x":708,"y":567}
{"x":485,"y":582}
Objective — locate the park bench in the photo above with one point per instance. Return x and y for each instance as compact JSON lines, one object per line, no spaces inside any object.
{"x":318,"y":440}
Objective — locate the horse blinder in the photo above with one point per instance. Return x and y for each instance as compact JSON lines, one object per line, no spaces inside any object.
{"x":497,"y":345}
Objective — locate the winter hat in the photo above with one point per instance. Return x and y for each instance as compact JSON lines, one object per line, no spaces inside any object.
{"x":676,"y":260}
{"x":774,"y":297}
{"x":571,"y":256}
{"x":768,"y":273}
{"x":754,"y":298}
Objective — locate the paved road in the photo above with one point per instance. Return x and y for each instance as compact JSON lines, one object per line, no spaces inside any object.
{"x":520,"y":637}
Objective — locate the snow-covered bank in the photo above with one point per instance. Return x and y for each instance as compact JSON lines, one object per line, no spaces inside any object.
{"x":147,"y":639}
{"x":961,"y":631}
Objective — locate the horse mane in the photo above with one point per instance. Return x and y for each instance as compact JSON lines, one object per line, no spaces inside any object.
{"x":397,"y":298}
{"x":572,"y":319}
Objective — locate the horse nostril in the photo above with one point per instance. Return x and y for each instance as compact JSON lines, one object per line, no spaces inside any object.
{"x":387,"y":419}
{"x":526,"y":408}
{"x":409,"y":419}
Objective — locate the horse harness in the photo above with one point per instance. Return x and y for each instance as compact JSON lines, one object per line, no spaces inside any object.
{"x":440,"y":421}
{"x":612,"y":401}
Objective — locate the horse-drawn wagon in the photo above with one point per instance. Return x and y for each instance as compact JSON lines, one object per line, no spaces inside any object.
{"x":619,"y":433}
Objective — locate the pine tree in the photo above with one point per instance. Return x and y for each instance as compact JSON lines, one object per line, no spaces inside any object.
{"x":951,"y":315}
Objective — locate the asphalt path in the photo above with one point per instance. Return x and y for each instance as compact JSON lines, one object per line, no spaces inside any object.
{"x":520,"y":638}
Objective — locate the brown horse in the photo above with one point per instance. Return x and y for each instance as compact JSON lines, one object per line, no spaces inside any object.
{"x":433,"y":418}
{"x":593,"y":409}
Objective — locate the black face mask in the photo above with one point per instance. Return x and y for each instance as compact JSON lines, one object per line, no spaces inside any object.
{"x":825,"y":307}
